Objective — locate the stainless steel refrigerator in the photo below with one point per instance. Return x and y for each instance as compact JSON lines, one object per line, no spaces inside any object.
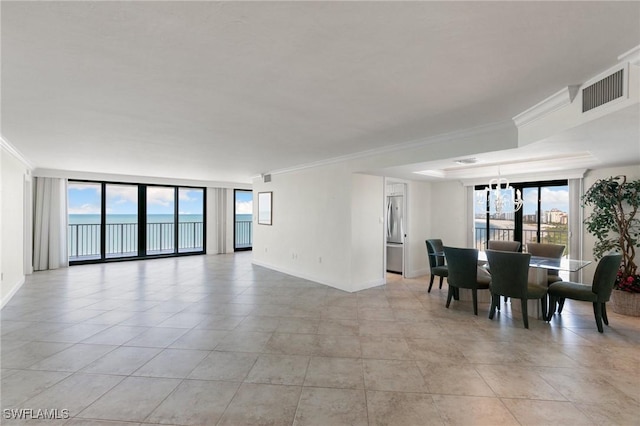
{"x":395,"y":233}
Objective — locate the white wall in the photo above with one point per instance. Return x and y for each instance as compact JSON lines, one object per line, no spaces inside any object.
{"x":311,"y":221}
{"x":367,"y":231}
{"x":632,"y":173}
{"x":449,"y":213}
{"x":419,"y":225}
{"x":12,"y":225}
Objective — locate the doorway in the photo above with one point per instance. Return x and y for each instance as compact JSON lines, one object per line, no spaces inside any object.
{"x":395,"y":229}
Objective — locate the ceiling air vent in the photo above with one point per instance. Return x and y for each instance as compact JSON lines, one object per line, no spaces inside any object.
{"x":603,"y":91}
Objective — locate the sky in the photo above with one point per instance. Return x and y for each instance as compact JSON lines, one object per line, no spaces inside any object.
{"x":244,"y":202}
{"x":84,"y":198}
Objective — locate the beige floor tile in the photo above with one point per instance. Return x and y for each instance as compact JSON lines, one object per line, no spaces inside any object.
{"x":454,"y":379}
{"x":133,"y":399}
{"x":75,"y":393}
{"x":581,"y":385}
{"x":31,"y":353}
{"x":469,"y":369}
{"x":402,"y":409}
{"x":195,"y":402}
{"x":249,"y":341}
{"x":199,"y":339}
{"x":387,"y":375}
{"x":332,"y":372}
{"x":441,"y":350}
{"x":172,"y":363}
{"x":380,"y":328}
{"x":385,"y":348}
{"x":518,"y":382}
{"x":339,"y":327}
{"x":259,"y":404}
{"x":540,"y":413}
{"x":116,"y":335}
{"x":322,"y":406}
{"x":122,"y":361}
{"x":292,"y":344}
{"x":298,"y":325}
{"x":621,"y":412}
{"x":473,"y":410}
{"x":224,"y":366}
{"x":73,"y":358}
{"x":338,"y":346}
{"x":279,"y":370}
{"x":157,"y":337}
{"x":23,"y":385}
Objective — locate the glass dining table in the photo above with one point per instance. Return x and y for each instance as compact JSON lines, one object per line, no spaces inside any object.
{"x":539,"y":268}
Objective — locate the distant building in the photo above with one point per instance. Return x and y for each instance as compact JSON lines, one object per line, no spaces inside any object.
{"x":556,"y":216}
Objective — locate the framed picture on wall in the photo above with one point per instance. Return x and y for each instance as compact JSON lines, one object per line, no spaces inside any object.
{"x":265,"y":204}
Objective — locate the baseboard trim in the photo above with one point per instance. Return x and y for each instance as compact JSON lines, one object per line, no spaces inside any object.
{"x":357,"y":287}
{"x":13,"y":291}
{"x":418,"y":273}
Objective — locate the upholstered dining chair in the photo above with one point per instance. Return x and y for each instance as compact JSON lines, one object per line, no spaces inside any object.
{"x":436,"y":261}
{"x":510,"y":278}
{"x":552,"y":251}
{"x":597,"y":293}
{"x":503,"y":245}
{"x":464,"y":273}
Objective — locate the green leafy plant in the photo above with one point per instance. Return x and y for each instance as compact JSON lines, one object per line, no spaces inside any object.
{"x":613,"y":222}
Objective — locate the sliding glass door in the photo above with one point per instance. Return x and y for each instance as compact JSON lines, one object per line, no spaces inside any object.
{"x":121,"y":234}
{"x":85,"y":220}
{"x":544,"y":216}
{"x":110,"y":221}
{"x":243,"y":220}
{"x":190,"y":219}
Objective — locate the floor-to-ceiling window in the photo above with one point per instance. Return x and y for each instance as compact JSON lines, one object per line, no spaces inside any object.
{"x":243,"y":220}
{"x":121,"y":234}
{"x":110,"y":221}
{"x":190,"y":219}
{"x":544,"y":216}
{"x":85,"y":220}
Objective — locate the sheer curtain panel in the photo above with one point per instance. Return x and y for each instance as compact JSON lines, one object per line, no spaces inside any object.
{"x":50,"y":224}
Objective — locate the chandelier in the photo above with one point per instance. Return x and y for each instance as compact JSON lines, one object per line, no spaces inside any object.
{"x":503,"y":198}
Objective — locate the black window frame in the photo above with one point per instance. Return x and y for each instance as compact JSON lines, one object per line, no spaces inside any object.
{"x":518,"y":215}
{"x":142,"y":223}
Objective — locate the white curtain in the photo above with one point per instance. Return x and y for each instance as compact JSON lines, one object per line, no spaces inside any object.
{"x":50,"y":224}
{"x":576,"y":216}
{"x":218,"y":244}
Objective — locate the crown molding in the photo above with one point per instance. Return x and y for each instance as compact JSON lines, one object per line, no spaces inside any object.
{"x":109,"y":177}
{"x":632,"y":56}
{"x":8,"y":147}
{"x":526,"y":177}
{"x":553,"y":103}
{"x":414,"y":144}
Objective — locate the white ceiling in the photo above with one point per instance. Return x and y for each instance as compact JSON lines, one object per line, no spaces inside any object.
{"x":225,"y":91}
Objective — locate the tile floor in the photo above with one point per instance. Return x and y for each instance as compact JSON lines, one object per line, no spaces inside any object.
{"x":215,"y":340}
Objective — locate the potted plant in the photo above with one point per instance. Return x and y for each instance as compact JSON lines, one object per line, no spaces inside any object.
{"x":613,"y":222}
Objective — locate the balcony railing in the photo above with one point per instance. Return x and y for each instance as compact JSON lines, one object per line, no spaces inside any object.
{"x":244,"y":237}
{"x":122,"y":239}
{"x":546,"y":236}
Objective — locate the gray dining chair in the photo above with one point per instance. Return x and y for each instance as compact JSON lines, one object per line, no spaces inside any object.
{"x":597,"y":293}
{"x":464,"y":273}
{"x":551,"y":251}
{"x":436,"y":261}
{"x":510,"y":278}
{"x":503,"y":245}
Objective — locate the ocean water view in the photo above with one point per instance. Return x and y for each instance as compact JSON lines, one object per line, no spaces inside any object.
{"x":88,"y":219}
